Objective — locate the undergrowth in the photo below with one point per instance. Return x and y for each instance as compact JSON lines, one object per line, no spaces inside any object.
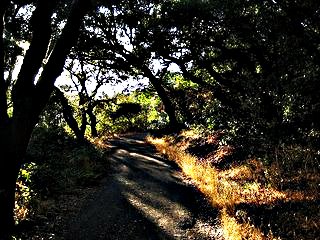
{"x":56,"y":164}
{"x":258,"y":198}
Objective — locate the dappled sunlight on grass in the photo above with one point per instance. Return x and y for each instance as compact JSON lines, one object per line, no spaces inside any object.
{"x":234,"y":230}
{"x":248,"y":184}
{"x":223,"y":188}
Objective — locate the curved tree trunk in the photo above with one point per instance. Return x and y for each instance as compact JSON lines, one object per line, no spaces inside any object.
{"x":68,"y":115}
{"x":169,"y":107}
{"x":156,"y":83}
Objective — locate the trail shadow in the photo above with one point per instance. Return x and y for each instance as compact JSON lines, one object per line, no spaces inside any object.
{"x":141,"y":147}
{"x":109,"y":216}
{"x":151,"y":177}
{"x":144,"y":198}
{"x":160,"y":173}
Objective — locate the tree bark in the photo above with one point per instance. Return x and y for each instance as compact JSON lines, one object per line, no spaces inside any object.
{"x":66,"y":41}
{"x":9,"y":170}
{"x":7,"y":199}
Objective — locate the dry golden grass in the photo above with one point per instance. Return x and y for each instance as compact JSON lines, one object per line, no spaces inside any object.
{"x":233,"y":230}
{"x":241,"y":184}
{"x":223,"y":188}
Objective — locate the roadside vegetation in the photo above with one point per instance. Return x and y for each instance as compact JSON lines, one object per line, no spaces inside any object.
{"x":51,"y":186}
{"x":258,"y":198}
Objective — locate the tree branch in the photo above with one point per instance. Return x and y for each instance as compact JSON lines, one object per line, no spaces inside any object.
{"x":68,"y":113}
{"x":41,"y":26}
{"x":56,"y":61}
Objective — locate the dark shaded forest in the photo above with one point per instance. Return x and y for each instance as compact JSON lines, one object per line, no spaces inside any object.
{"x":227,"y":89}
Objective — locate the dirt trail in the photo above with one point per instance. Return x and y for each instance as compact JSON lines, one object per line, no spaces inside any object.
{"x":145,"y":197}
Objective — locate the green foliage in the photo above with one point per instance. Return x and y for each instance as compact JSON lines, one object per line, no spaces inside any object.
{"x":256,"y":58}
{"x":57,"y":164}
{"x":178,"y":82}
{"x":62,"y":162}
{"x":246,"y":67}
{"x":24,"y":193}
{"x":52,"y":116}
{"x":149,"y":118}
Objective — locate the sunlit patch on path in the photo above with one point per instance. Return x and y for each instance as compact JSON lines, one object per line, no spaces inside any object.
{"x":145,"y":197}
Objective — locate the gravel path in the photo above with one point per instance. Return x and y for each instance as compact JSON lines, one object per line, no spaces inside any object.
{"x":145,"y":197}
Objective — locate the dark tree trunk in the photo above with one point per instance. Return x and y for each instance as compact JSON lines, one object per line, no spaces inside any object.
{"x":168,"y":105}
{"x":7,"y":200}
{"x":9,"y":167}
{"x":14,"y":139}
{"x":156,"y":83}
{"x":93,"y":121}
{"x":68,"y":115}
{"x":83,"y":111}
{"x":184,"y":103}
{"x":7,"y":194}
{"x":29,"y":100}
{"x":3,"y":88}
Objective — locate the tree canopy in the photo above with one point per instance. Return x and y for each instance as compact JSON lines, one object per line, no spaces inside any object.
{"x":250,"y":68}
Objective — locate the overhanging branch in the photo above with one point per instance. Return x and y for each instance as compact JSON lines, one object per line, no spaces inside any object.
{"x":41,"y":27}
{"x":56,"y":61}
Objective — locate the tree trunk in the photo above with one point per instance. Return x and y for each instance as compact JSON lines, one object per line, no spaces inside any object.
{"x":7,"y":197}
{"x":14,"y":138}
{"x":28,"y":100}
{"x":68,"y":115}
{"x":174,"y":124}
{"x":93,"y":121}
{"x":168,"y":105}
{"x":3,"y":87}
